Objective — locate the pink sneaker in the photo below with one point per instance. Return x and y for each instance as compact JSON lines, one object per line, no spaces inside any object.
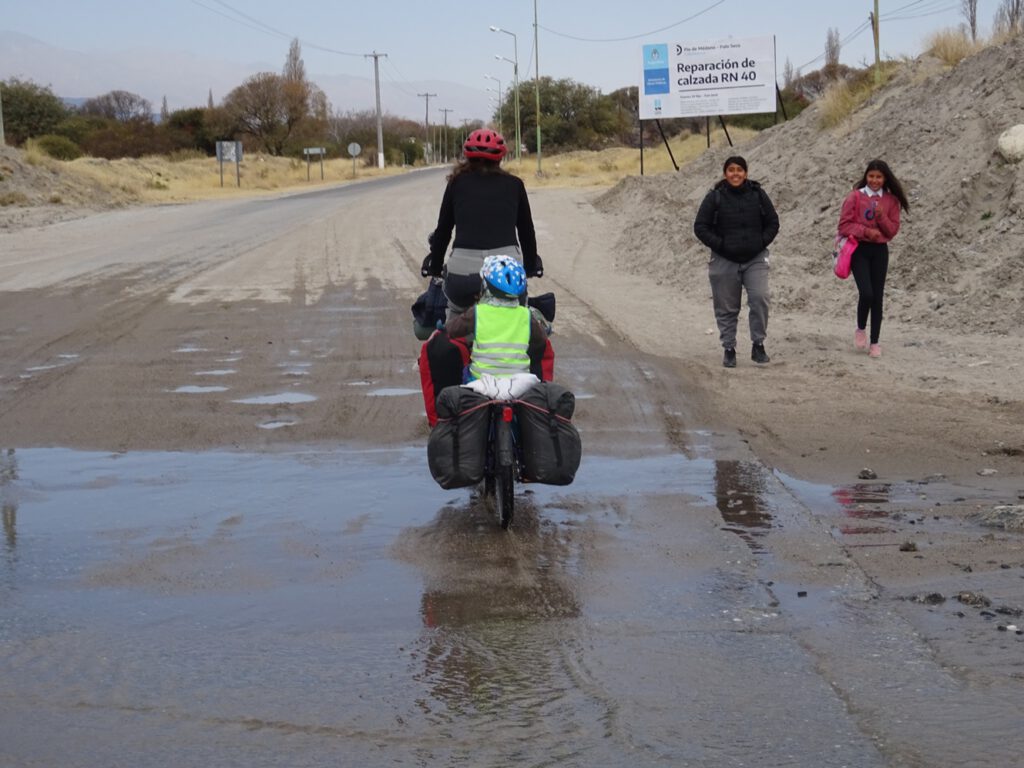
{"x":860,"y":339}
{"x":875,"y":351}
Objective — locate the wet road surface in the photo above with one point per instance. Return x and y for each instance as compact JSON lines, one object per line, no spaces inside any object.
{"x":193,"y":605}
{"x":312,"y":598}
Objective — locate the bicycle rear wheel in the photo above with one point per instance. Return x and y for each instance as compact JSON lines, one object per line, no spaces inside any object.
{"x":504,"y":494}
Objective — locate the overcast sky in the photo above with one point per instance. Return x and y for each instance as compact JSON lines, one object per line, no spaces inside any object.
{"x":596,"y":42}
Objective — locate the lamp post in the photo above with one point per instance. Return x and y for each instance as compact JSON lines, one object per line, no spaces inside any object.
{"x":500,"y":97}
{"x":536,"y":80}
{"x":515,"y":78}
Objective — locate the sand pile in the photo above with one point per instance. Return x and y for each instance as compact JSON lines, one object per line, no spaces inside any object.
{"x":958,"y":261}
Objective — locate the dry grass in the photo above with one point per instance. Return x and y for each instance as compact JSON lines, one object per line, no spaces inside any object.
{"x":607,"y":167}
{"x":951,"y":46}
{"x":182,"y":178}
{"x":187,"y":176}
{"x":843,"y":98}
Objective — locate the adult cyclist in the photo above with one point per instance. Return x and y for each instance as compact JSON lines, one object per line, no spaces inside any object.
{"x":489,"y":211}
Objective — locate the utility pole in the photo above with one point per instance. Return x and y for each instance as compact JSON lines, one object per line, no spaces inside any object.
{"x":874,"y":29}
{"x":380,"y":124}
{"x":446,"y":142}
{"x":426,"y":123}
{"x":536,"y":81}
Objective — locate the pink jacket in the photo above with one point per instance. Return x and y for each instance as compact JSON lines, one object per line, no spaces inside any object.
{"x":862,"y":212}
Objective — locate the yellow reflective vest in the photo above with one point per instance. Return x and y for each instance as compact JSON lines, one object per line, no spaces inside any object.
{"x":501,"y":341}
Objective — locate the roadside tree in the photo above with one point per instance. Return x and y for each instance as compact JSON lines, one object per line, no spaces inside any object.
{"x":122,"y":106}
{"x":30,"y":110}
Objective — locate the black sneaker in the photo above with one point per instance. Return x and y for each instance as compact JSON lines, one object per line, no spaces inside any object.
{"x":729,"y":359}
{"x":758,"y":355}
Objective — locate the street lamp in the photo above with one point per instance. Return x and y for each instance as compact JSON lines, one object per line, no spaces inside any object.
{"x":536,"y":79}
{"x":515,"y":73}
{"x":500,"y":97}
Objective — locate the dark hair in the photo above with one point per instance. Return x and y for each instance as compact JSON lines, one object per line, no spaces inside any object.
{"x":734,"y":160}
{"x":891,"y":184}
{"x":475,"y":165}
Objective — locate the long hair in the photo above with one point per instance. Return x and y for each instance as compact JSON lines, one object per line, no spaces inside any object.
{"x":891,"y":184}
{"x":475,"y":165}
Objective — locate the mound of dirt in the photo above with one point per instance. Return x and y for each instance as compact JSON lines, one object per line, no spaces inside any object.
{"x":957,"y":261}
{"x":43,"y":192}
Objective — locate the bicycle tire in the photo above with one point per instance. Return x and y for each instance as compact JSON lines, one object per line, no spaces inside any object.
{"x":504,"y":494}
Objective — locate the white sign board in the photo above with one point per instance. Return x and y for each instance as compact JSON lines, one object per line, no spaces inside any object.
{"x":229,"y":151}
{"x":734,"y":76}
{"x":314,"y":151}
{"x":354,"y":149}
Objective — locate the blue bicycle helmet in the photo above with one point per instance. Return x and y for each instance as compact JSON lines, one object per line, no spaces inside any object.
{"x":504,"y":276}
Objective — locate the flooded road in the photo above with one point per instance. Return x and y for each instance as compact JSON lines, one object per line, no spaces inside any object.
{"x":222,"y":545}
{"x":195,"y":605}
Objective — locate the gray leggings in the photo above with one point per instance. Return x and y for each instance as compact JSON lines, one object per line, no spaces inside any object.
{"x":462,"y":283}
{"x":728,"y":279}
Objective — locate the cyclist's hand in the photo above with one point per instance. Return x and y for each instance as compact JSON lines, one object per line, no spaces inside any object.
{"x":538,"y":268}
{"x":426,"y":268}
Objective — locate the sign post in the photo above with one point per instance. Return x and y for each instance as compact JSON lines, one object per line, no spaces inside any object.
{"x":353,"y":151}
{"x":228,"y":151}
{"x":311,"y":152}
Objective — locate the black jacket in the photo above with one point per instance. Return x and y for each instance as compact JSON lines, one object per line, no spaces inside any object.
{"x":486,"y":210}
{"x":737,"y":223}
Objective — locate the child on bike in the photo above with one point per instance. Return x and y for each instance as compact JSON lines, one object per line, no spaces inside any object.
{"x":505,"y":337}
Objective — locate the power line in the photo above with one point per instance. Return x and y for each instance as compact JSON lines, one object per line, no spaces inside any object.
{"x":252,"y":23}
{"x":632,"y":37}
{"x":849,"y":38}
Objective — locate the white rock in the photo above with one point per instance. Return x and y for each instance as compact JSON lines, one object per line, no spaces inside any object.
{"x":1011,"y":144}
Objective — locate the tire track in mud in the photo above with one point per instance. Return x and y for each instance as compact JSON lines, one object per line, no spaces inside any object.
{"x":639,"y":383}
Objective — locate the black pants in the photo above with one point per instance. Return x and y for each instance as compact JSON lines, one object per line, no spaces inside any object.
{"x":869,"y":266}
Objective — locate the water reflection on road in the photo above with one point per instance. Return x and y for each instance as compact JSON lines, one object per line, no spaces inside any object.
{"x":335,"y":607}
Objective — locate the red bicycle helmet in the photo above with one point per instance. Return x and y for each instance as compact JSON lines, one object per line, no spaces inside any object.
{"x":485,"y":144}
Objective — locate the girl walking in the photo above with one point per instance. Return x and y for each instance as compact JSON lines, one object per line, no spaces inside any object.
{"x":871,"y":215}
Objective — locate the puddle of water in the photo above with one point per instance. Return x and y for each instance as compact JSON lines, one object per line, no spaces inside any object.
{"x":277,"y":424}
{"x":191,"y":389}
{"x":358,"y":383}
{"x":217,"y":372}
{"x":188,"y":348}
{"x":295,"y":372}
{"x":392,"y":392}
{"x":200,"y":594}
{"x":69,"y":356}
{"x":47,"y":367}
{"x":282,"y":398}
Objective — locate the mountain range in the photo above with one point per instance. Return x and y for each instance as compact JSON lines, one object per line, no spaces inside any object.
{"x":187,"y":81}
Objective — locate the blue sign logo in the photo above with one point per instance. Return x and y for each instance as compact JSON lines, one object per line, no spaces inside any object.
{"x":656,"y":68}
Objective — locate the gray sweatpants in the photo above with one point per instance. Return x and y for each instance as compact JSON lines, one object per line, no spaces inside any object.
{"x":728,"y":279}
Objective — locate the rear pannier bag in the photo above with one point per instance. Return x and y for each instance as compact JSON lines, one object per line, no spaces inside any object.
{"x":551,"y":444}
{"x":457,"y":447}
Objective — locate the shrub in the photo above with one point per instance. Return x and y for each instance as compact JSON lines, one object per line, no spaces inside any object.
{"x":29,"y":110}
{"x":951,"y":46}
{"x":12,"y":198}
{"x":58,"y":147}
